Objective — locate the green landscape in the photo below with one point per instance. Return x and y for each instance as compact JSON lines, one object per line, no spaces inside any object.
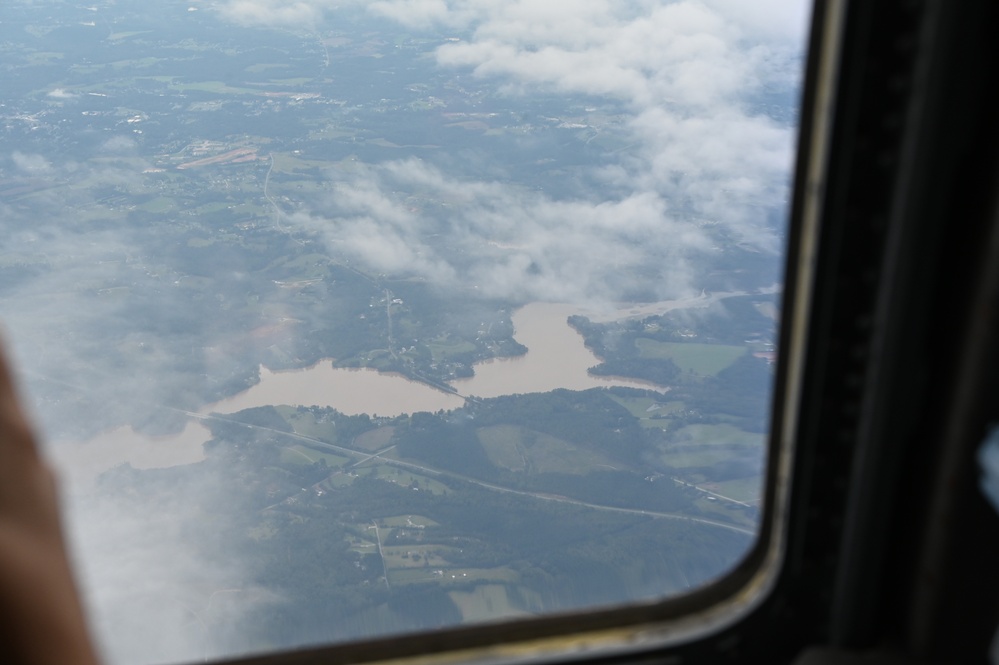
{"x":187,"y":200}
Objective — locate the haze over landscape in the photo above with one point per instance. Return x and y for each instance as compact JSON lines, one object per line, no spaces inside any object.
{"x":351,"y":318}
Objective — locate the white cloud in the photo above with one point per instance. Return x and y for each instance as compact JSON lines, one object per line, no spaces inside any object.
{"x":119,"y":144}
{"x":59,"y":93}
{"x":31,"y":164}
{"x":503,"y":240}
{"x":704,"y":155}
{"x":274,"y":12}
{"x":158,"y":595}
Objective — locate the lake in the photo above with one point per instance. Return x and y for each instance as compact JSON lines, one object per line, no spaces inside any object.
{"x":556,"y":358}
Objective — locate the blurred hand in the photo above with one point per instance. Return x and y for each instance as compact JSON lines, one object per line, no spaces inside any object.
{"x":41,"y":617}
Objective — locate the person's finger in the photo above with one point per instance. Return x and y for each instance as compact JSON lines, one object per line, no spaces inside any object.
{"x":17,"y":432}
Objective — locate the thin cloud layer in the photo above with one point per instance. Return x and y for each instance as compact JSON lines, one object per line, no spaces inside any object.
{"x":708,"y":163}
{"x":505,"y":241}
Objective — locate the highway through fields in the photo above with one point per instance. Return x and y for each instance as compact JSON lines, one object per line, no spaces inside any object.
{"x":363,"y":457}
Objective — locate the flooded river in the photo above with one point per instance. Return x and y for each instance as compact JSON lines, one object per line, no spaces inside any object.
{"x":556,"y":358}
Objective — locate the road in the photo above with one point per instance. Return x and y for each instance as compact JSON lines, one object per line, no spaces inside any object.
{"x":680,"y":481}
{"x":378,"y":539}
{"x":363,"y":457}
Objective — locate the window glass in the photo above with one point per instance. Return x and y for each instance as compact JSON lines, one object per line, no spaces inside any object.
{"x":356,"y":318}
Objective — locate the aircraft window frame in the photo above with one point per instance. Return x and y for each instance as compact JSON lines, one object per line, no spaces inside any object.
{"x":871,"y":257}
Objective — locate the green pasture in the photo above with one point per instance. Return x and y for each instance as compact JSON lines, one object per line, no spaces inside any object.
{"x":304,"y":267}
{"x":304,"y":423}
{"x":485,"y":602}
{"x":521,"y":449}
{"x":299,"y":454}
{"x":683,"y":459}
{"x":289,"y":163}
{"x":640,"y":407}
{"x":338,"y":480}
{"x":715,"y":435}
{"x":401,"y":557}
{"x":403,"y":576}
{"x":362,"y":545}
{"x":405,"y":478}
{"x":135,"y":64}
{"x":702,"y":359}
{"x":214,"y":87}
{"x":644,"y":408}
{"x":724,"y":511}
{"x":374,"y":440}
{"x":478,"y":575}
{"x":441,"y":348}
{"x":209,"y":208}
{"x":740,"y":489}
{"x":502,"y":444}
{"x":329,"y":133}
{"x":452,"y":576}
{"x":408,"y":521}
{"x":262,"y":531}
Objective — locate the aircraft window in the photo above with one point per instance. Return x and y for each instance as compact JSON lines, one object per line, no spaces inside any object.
{"x":356,"y":320}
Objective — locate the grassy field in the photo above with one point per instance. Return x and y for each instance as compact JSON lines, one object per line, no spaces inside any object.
{"x":502,"y":444}
{"x":375,"y":439}
{"x":687,"y":458}
{"x":644,"y":408}
{"x":702,"y":359}
{"x":520,"y":449}
{"x":714,"y":435}
{"x":450,"y":576}
{"x":478,"y":575}
{"x":399,"y":476}
{"x":304,"y":423}
{"x":214,"y":87}
{"x":740,"y":489}
{"x":403,"y":576}
{"x":298,"y":454}
{"x":441,"y":348}
{"x":725,"y":510}
{"x":337,"y":480}
{"x":362,"y":545}
{"x":408,"y":521}
{"x":289,"y":163}
{"x":405,"y":557}
{"x":485,"y":602}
